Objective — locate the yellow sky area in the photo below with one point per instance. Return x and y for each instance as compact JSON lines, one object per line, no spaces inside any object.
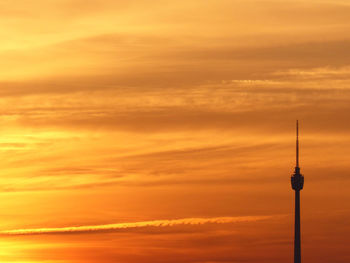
{"x":131,"y":111}
{"x":59,"y":38}
{"x":22,"y":252}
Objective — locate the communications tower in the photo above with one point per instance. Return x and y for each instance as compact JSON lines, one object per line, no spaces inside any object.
{"x":297,"y":180}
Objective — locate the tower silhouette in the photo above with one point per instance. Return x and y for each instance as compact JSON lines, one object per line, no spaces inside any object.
{"x":297,"y":180}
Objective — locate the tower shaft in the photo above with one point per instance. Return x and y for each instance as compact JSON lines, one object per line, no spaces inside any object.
{"x":297,"y":241}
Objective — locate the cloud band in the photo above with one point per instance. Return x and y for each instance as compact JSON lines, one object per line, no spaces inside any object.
{"x":134,"y":225}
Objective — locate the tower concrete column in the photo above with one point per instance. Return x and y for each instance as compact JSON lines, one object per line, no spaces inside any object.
{"x":297,"y":245}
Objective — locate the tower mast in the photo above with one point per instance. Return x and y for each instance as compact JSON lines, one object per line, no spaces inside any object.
{"x":297,"y":181}
{"x":297,"y":146}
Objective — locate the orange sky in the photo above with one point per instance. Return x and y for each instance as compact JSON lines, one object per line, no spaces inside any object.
{"x":164,"y":130}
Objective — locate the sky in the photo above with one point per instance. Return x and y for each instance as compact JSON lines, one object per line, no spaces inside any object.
{"x":164,"y":131}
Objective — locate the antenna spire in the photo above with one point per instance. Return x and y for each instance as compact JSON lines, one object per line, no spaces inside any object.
{"x":297,"y":146}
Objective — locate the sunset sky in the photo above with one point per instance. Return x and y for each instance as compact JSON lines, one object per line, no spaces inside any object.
{"x":137,"y":131}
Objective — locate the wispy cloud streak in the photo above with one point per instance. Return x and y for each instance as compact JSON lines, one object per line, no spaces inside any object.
{"x":133,"y":225}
